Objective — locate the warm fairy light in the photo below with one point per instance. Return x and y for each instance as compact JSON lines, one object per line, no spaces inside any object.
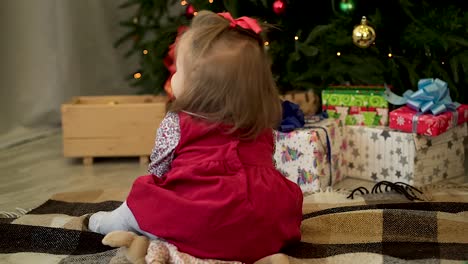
{"x":145,"y":52}
{"x":195,"y":13}
{"x":338,"y":54}
{"x":443,"y":62}
{"x":390,"y":55}
{"x":296,"y":37}
{"x":137,"y":75}
{"x":266,"y":43}
{"x":183,"y":2}
{"x":211,"y":1}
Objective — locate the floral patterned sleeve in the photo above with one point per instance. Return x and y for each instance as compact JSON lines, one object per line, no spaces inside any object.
{"x":167,"y":139}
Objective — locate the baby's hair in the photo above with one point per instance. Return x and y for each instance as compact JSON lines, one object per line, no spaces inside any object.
{"x":227,"y":76}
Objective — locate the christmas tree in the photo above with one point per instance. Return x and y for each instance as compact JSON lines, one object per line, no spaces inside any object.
{"x":311,"y":42}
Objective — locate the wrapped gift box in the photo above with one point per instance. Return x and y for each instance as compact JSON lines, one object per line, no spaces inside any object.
{"x":380,"y":153}
{"x":311,"y":156}
{"x":409,"y":120}
{"x":356,"y":105}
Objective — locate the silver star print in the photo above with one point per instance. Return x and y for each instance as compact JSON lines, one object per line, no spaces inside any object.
{"x":367,"y":155}
{"x":379,"y":156}
{"x":409,"y":176}
{"x":455,"y":135}
{"x":351,"y":132}
{"x":392,"y":152}
{"x":416,"y":159}
{"x":391,"y":168}
{"x":361,"y":130}
{"x":429,"y":143}
{"x":420,"y":167}
{"x":374,"y":176}
{"x":436,"y":171}
{"x":446,"y":163}
{"x":409,"y":138}
{"x":398,"y":139}
{"x":424,"y":151}
{"x":384,"y":172}
{"x":403,"y":160}
{"x":398,"y":174}
{"x":356,"y":152}
{"x":351,"y":143}
{"x":385,"y":134}
{"x":374,"y":136}
{"x":458,"y":152}
{"x":351,"y":165}
{"x":360,"y":168}
{"x":398,"y":151}
{"x":445,"y":175}
{"x":450,"y":144}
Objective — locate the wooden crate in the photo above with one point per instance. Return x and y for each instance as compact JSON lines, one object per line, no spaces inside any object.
{"x":111,"y":126}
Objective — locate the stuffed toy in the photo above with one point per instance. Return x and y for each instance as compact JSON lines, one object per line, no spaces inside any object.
{"x":137,"y":247}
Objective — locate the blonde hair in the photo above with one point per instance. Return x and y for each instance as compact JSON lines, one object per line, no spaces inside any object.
{"x":227,"y":77}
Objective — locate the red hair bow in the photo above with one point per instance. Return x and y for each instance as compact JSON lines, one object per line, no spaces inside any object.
{"x":243,"y":22}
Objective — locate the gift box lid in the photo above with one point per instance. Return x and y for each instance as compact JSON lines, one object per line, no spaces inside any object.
{"x":453,"y":134}
{"x":357,"y":87}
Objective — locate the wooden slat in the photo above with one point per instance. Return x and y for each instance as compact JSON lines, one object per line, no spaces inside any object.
{"x":108,"y":147}
{"x":96,"y":121}
{"x":117,"y":99}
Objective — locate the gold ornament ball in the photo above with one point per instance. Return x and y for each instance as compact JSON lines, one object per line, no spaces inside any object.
{"x":363,"y":34}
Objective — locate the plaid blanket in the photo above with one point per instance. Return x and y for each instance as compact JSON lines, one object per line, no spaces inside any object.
{"x":378,"y":228}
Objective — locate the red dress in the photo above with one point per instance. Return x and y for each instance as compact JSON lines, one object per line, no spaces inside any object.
{"x":221,"y":199}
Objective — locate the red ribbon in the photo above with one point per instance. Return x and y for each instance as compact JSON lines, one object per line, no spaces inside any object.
{"x":243,"y":22}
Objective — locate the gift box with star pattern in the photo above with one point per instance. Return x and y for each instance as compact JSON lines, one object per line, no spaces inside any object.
{"x":311,"y":156}
{"x":356,"y":105}
{"x":383,"y":154}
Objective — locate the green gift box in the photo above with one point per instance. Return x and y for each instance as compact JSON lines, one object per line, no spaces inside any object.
{"x":356,"y":105}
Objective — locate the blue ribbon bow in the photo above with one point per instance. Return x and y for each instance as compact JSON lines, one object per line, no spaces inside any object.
{"x":432,"y":96}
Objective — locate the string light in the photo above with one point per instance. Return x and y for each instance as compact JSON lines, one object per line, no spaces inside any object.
{"x":390,"y":55}
{"x":195,"y":13}
{"x":338,"y":54}
{"x":211,"y":1}
{"x":443,"y":62}
{"x":296,"y":37}
{"x":145,"y":52}
{"x":135,"y":20}
{"x":183,"y":2}
{"x":137,"y":75}
{"x":266,"y":43}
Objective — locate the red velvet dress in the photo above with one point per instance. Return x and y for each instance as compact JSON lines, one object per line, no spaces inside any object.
{"x":222,"y":197}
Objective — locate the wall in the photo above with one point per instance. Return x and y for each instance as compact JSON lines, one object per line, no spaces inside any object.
{"x":51,"y":50}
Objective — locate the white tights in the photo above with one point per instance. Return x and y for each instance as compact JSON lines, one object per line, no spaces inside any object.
{"x":120,"y":219}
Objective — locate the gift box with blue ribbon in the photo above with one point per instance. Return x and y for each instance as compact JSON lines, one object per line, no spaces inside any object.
{"x":429,"y":111}
{"x":311,"y":156}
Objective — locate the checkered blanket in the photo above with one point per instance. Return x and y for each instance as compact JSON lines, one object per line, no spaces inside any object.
{"x":382,"y":228}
